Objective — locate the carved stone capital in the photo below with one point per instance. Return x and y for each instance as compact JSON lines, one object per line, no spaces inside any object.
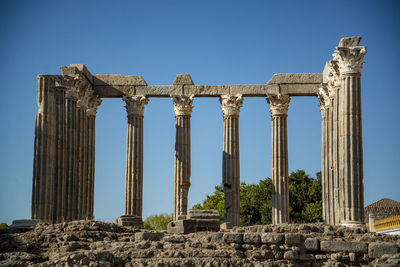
{"x":93,"y":103}
{"x":350,"y":58}
{"x":71,"y":94}
{"x":83,"y":98}
{"x":135,"y":104}
{"x":76,"y":81}
{"x":323,"y":97}
{"x":231,"y":104}
{"x":331,"y":73}
{"x":182,"y":104}
{"x":278,"y":104}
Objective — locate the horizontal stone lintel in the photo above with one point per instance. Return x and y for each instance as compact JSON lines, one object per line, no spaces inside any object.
{"x":248,"y":90}
{"x":113,"y":86}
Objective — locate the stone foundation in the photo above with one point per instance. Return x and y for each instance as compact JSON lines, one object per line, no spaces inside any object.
{"x":94,"y":243}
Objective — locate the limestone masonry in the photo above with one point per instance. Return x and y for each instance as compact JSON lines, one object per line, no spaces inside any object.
{"x":91,"y":243}
{"x":64,"y":156}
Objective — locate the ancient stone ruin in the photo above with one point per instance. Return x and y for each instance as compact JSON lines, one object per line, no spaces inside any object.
{"x":64,"y":156}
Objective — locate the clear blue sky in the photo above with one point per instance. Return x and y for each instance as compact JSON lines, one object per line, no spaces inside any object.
{"x":216,"y":42}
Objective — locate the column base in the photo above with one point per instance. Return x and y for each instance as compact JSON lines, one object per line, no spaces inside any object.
{"x":354,"y":224}
{"x":129,"y":220}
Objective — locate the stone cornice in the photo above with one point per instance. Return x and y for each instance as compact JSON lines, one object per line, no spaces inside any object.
{"x":349,"y":58}
{"x":231,"y":104}
{"x":135,"y":104}
{"x":182,"y":104}
{"x":278,"y":104}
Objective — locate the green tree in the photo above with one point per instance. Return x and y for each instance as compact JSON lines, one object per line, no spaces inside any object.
{"x":305,"y":197}
{"x":3,"y":225}
{"x":255,"y":200}
{"x":215,"y":201}
{"x":157,"y":222}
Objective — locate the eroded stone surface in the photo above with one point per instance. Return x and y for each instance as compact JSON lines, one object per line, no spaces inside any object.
{"x":106,"y":244}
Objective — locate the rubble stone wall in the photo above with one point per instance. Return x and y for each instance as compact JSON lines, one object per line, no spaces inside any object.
{"x":92,"y":243}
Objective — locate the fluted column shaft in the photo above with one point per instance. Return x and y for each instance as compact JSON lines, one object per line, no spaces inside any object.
{"x":44,"y":150}
{"x":351,"y":152}
{"x":279,"y":158}
{"x":325,"y":132}
{"x":335,"y":161}
{"x":94,"y":102}
{"x":71,"y":154}
{"x":231,"y":105}
{"x":182,"y":171}
{"x":80,"y":166}
{"x":134,"y":155}
{"x":58,"y":187}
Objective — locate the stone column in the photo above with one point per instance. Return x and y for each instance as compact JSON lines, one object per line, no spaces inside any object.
{"x":134,"y":159}
{"x":330,"y":172}
{"x":94,"y":102}
{"x":183,"y":110}
{"x":279,"y":105}
{"x":44,"y":150}
{"x":349,"y":57}
{"x":69,"y":183}
{"x":325,"y":170}
{"x":82,"y":160}
{"x":58,"y":212}
{"x":231,"y":105}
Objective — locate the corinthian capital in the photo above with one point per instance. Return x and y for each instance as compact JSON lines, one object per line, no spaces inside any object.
{"x":278,"y":104}
{"x":135,"y":104}
{"x":323,"y":97}
{"x":231,"y":104}
{"x":93,"y":103}
{"x":83,"y":98}
{"x":182,"y":104}
{"x":331,"y":74}
{"x":350,"y":58}
{"x":71,"y":93}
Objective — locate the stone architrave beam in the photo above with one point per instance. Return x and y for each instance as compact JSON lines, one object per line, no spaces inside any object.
{"x":293,"y":84}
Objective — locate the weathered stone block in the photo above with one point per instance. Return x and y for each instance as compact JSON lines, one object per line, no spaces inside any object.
{"x":293,"y":239}
{"x":112,"y":79}
{"x":127,"y":220}
{"x":226,"y":226}
{"x":203,"y":214}
{"x":291,"y":255}
{"x":283,"y":78}
{"x":151,"y":236}
{"x":182,"y":226}
{"x":206,"y":90}
{"x":250,"y":238}
{"x":175,"y":239}
{"x":271,"y":238}
{"x":311,"y":244}
{"x":378,"y":249}
{"x":183,"y":79}
{"x":236,"y":238}
{"x":23,"y":224}
{"x":349,"y":41}
{"x":159,"y":90}
{"x":249,"y":89}
{"x":339,"y":246}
